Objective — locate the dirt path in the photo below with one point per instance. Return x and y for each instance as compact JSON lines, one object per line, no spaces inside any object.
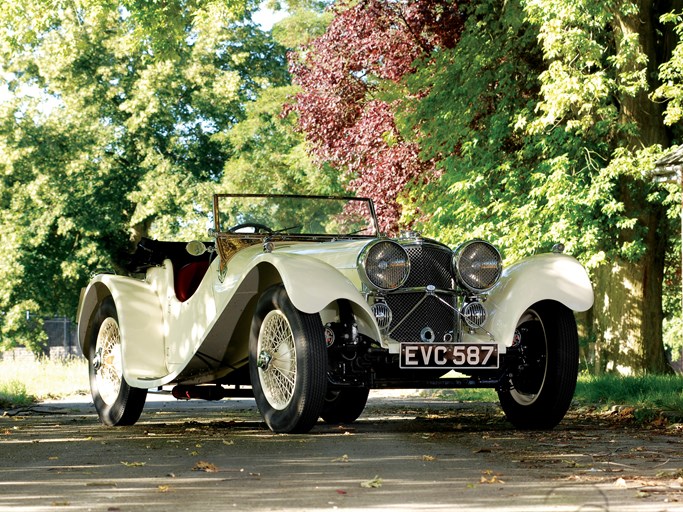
{"x":403,"y":454}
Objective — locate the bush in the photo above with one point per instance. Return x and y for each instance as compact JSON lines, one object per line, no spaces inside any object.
{"x":13,"y":394}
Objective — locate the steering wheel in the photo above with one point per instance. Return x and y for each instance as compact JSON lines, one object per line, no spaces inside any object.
{"x":258,"y":228}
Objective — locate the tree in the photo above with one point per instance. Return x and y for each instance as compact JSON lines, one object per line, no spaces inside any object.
{"x":270,"y":154}
{"x":115,"y":122}
{"x":537,"y":121}
{"x":348,"y":122}
{"x":554,"y":143}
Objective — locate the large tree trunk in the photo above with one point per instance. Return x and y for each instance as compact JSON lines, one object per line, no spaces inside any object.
{"x":628,"y":312}
{"x":627,"y":315}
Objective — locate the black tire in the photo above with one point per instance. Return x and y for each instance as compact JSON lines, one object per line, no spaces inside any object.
{"x":541,"y":392}
{"x":344,"y":405}
{"x":287,"y":363}
{"x":116,"y":402}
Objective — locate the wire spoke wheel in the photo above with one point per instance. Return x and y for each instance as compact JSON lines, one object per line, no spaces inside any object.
{"x":276,"y":345}
{"x":116,"y":402}
{"x":109,"y":369}
{"x":287,"y":363}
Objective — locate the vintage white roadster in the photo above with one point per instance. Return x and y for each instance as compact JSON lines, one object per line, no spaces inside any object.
{"x":302,"y":303}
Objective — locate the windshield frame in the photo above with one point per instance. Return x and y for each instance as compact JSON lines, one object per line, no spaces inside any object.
{"x":373,"y":222}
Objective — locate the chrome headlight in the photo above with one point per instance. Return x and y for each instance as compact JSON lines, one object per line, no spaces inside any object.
{"x":383,"y":265}
{"x":477,"y":265}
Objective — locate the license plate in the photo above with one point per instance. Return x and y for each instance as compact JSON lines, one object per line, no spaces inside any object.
{"x":450,"y":356}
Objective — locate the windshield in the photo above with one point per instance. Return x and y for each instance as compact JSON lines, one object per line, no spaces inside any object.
{"x":294,"y":215}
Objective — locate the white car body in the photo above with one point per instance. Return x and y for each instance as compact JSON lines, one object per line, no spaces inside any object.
{"x":205,"y":337}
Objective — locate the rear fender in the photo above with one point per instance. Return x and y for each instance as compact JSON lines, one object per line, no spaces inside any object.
{"x":543,"y":277}
{"x":140,"y":321}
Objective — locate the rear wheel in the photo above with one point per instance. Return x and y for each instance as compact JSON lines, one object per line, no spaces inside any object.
{"x":544,"y":377}
{"x":344,"y":405}
{"x":116,"y":402}
{"x":287,"y":363}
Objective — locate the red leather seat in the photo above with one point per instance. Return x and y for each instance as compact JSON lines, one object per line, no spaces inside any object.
{"x":188,"y":279}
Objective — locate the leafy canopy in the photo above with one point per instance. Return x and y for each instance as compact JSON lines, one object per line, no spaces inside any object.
{"x":344,"y":108}
{"x":116,"y":121}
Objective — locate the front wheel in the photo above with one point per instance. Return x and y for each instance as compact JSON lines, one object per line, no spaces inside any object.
{"x":116,"y":402}
{"x":543,"y":377}
{"x":287,"y":363}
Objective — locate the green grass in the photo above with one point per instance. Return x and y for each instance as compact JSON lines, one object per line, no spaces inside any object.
{"x":649,"y":395}
{"x":26,"y":382}
{"x":464,"y":395}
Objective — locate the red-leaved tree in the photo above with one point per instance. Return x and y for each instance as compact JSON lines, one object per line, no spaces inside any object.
{"x":342,"y":72}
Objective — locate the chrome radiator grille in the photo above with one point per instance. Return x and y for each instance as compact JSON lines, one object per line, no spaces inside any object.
{"x":418,"y":315}
{"x":429,"y":264}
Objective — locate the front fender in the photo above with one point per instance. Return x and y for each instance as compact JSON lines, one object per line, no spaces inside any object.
{"x":312,"y":285}
{"x":140,"y":321}
{"x":543,"y":277}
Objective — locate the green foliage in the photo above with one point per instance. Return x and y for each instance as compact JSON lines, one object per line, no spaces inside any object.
{"x":117,"y":127}
{"x":302,"y":26}
{"x":299,"y":5}
{"x":549,"y":135}
{"x":21,"y":325}
{"x":671,"y":74}
{"x":14,"y":394}
{"x":511,"y":172}
{"x":496,"y":178}
{"x":271,"y":156}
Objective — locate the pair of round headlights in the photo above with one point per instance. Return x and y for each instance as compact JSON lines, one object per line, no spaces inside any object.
{"x":384,"y":265}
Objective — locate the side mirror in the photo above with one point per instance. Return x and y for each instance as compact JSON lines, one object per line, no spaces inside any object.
{"x":196,"y":248}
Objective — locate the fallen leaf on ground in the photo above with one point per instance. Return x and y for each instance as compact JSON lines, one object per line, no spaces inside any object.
{"x":343,"y":458}
{"x":428,"y":458}
{"x":492,"y":480}
{"x":489,"y":477}
{"x":374,"y":483}
{"x":132,"y":464}
{"x":660,"y":422}
{"x":627,"y":412}
{"x":207,"y":467}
